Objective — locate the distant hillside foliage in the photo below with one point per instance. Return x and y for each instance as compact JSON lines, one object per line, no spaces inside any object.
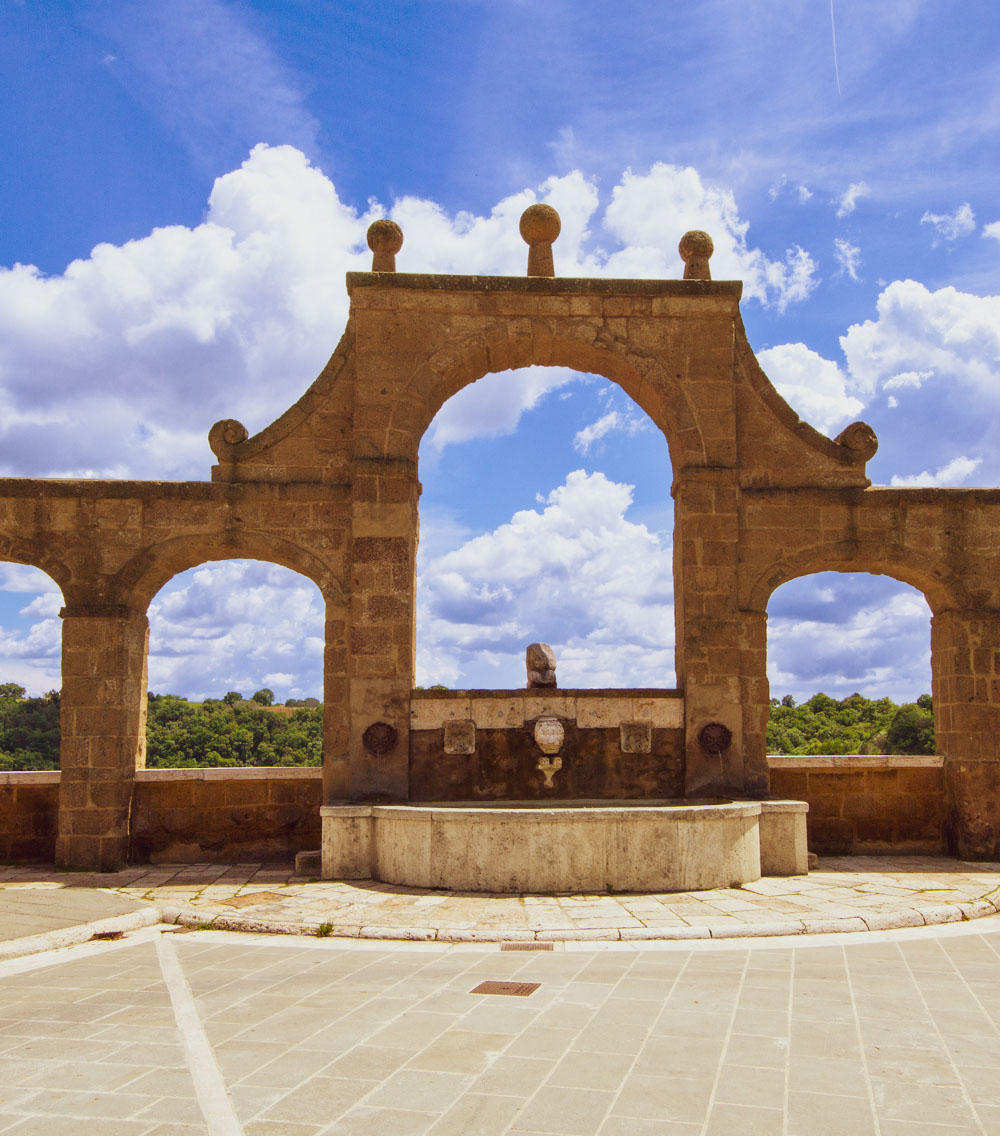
{"x":856,"y":725}
{"x":183,"y":735}
{"x":29,"y":729}
{"x":233,"y":731}
{"x":179,"y":735}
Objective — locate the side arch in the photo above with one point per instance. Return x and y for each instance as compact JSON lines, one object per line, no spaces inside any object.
{"x":143,"y":576}
{"x":942,"y":589}
{"x":28,"y":553}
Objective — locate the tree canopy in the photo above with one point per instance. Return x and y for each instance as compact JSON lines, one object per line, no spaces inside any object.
{"x":230,"y":731}
{"x":855,"y":725}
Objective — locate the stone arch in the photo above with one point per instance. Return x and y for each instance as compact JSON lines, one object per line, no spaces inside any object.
{"x":15,"y":551}
{"x":940,"y":586}
{"x":144,"y":575}
{"x":540,"y":342}
{"x":587,"y":616}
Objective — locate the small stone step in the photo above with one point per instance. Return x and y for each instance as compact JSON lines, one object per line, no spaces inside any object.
{"x":308,"y":863}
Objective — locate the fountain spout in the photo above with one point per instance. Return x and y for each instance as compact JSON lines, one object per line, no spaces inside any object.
{"x":549,"y":735}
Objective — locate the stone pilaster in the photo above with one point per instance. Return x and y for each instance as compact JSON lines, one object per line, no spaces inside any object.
{"x":103,"y":723}
{"x":709,"y":625}
{"x":965,"y":662}
{"x":336,"y":705}
{"x":382,"y":623}
{"x":755,"y":696}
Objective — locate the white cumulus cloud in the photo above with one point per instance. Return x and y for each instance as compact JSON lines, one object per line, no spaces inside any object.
{"x":237,"y":625}
{"x":493,"y":405}
{"x":845,"y":632}
{"x":813,"y":386}
{"x":946,"y":334}
{"x":576,"y":574}
{"x":954,"y":473}
{"x":649,"y":213}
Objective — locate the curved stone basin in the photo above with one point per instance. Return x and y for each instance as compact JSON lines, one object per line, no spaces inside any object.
{"x":553,"y":846}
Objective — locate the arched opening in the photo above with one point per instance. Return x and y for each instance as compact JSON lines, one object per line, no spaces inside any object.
{"x":849,"y":666}
{"x":545,"y":516}
{"x":30,"y":668}
{"x":235,"y":668}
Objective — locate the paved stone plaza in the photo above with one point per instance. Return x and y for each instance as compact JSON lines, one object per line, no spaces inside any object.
{"x":166,"y":1032}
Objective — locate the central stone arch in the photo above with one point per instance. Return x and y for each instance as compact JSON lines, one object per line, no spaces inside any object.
{"x":544,"y":343}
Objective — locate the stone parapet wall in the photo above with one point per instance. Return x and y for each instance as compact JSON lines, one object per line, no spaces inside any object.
{"x":225,"y":814}
{"x":180,"y":815}
{"x":29,"y":807}
{"x":866,"y":805}
{"x":857,"y":805}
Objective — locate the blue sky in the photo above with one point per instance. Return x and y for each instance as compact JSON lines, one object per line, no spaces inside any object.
{"x":185,"y":183}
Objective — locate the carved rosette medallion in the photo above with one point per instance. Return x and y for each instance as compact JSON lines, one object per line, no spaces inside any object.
{"x":549,"y":735}
{"x":715,"y":737}
{"x":379,"y":739}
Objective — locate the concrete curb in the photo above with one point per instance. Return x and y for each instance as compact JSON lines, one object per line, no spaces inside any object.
{"x":874,"y":921}
{"x":81,"y":933}
{"x":207,"y":919}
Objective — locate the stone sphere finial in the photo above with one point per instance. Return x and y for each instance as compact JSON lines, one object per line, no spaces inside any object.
{"x":385,"y":239}
{"x":540,"y":225}
{"x":696,"y":249}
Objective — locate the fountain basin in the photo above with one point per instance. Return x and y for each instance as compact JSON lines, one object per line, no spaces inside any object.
{"x":565,"y":846}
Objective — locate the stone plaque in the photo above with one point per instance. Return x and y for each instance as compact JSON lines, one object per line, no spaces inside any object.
{"x":549,"y":734}
{"x":636,"y":737}
{"x":460,"y":736}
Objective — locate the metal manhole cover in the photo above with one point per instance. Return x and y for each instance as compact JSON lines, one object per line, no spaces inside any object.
{"x":515,"y":989}
{"x":525,"y":946}
{"x":251,"y":898}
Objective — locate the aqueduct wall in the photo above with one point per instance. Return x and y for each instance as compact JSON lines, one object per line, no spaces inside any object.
{"x":331,"y":490}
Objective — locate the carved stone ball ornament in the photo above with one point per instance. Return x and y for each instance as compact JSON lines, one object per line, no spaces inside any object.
{"x":379,"y":739}
{"x":385,"y":239}
{"x":715,"y":737}
{"x":696,"y":250}
{"x":540,"y":225}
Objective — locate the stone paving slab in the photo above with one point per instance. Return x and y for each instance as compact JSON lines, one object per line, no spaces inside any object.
{"x":844,"y":894}
{"x":38,"y":907}
{"x":888,"y":1034}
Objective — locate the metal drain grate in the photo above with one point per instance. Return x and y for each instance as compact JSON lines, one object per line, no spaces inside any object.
{"x":515,"y":989}
{"x":525,"y":946}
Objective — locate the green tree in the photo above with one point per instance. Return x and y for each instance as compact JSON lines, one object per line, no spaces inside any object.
{"x":911,"y":730}
{"x":265,"y":697}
